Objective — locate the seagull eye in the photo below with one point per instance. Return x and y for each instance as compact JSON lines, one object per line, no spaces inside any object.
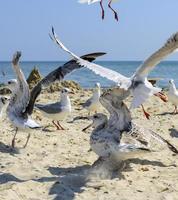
{"x":9,"y":82}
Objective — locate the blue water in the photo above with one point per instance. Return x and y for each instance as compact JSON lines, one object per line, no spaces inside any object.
{"x":165,"y":70}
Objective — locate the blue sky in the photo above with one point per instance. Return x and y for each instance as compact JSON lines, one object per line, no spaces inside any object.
{"x":143,"y":26}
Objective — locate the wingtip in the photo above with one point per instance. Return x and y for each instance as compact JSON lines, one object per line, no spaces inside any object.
{"x":52,"y":29}
{"x":92,"y":56}
{"x":16,"y":57}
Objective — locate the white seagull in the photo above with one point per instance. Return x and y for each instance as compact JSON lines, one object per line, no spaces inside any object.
{"x":101,"y":4}
{"x":138,"y":84}
{"x":57,"y":111}
{"x":173,"y":95}
{"x":19,"y":101}
{"x":93,"y":104}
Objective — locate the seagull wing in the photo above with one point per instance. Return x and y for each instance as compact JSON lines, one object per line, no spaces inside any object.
{"x":20,"y":99}
{"x":88,"y":1}
{"x":53,"y":108}
{"x":149,"y":137}
{"x":57,"y":75}
{"x":148,"y":65}
{"x":97,"y":69}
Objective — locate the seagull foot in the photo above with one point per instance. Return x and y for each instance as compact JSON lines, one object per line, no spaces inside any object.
{"x":162,"y":96}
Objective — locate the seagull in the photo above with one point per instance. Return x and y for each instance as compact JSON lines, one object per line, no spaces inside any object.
{"x":106,"y":139}
{"x":22,"y":101}
{"x":58,"y":75}
{"x":101,"y":5}
{"x":57,"y":111}
{"x":19,"y":101}
{"x":138,"y":84}
{"x":3,"y":103}
{"x":173,"y":95}
{"x":93,"y":104}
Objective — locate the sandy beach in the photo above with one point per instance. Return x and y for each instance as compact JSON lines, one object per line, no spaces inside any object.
{"x":53,"y":163}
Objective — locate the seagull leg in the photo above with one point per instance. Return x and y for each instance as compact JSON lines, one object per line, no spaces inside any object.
{"x":13,"y":140}
{"x":147,"y":115}
{"x":102,"y":9}
{"x":175,"y":110}
{"x":58,"y":127}
{"x":28,"y":137}
{"x":115,"y":13}
{"x":162,"y":96}
{"x":62,"y":128}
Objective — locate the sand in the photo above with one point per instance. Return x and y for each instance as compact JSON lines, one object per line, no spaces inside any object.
{"x":53,"y":164}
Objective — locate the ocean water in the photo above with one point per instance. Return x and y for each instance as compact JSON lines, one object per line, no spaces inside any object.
{"x":165,"y":70}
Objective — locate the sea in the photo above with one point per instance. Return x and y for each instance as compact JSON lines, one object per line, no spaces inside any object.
{"x":165,"y":71}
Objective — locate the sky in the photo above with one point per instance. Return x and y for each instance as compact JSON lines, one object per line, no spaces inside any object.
{"x":144,"y":25}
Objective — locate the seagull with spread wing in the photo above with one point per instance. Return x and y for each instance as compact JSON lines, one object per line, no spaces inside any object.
{"x":22,"y":101}
{"x":137,"y":84}
{"x":101,"y":4}
{"x":19,"y":101}
{"x":118,"y":138}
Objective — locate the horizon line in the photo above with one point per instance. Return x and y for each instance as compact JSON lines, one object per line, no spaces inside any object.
{"x":95,"y":61}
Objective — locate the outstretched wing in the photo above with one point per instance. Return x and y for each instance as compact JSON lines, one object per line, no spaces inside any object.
{"x":149,"y":137}
{"x":57,"y":75}
{"x":148,"y":65}
{"x":20,"y":97}
{"x":97,"y":69}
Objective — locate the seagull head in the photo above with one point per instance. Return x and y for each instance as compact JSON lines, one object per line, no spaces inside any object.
{"x":97,"y":85}
{"x":115,"y":94}
{"x":11,"y":84}
{"x":98,"y":119}
{"x":171,"y":81}
{"x":66,"y":91}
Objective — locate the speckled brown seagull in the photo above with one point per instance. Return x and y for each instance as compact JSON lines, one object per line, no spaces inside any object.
{"x":107,"y":138}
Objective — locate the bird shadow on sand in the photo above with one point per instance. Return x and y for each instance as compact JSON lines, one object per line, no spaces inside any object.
{"x":68,"y":182}
{"x":173,"y":133}
{"x":71,"y":181}
{"x":166,"y":113}
{"x":146,"y":162}
{"x":4,"y":148}
{"x":7,"y":177}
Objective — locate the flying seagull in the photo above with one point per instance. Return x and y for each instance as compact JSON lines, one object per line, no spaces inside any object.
{"x":101,"y":5}
{"x":93,"y":103}
{"x":138,"y":84}
{"x":57,"y":111}
{"x":58,"y":75}
{"x":107,"y":138}
{"x":173,"y":95}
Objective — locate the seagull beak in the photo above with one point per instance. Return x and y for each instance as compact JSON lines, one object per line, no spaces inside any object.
{"x":87,"y":127}
{"x":79,"y":118}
